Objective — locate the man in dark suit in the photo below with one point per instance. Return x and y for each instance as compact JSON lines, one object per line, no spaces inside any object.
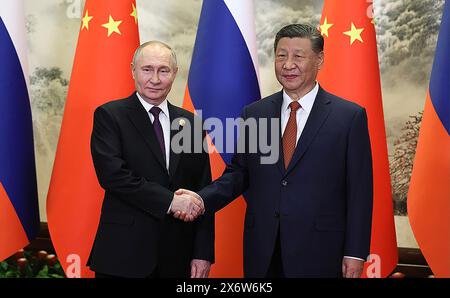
{"x":309,"y":214}
{"x":136,"y":165}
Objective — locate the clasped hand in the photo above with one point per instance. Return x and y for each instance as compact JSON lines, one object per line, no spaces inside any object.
{"x":187,"y":205}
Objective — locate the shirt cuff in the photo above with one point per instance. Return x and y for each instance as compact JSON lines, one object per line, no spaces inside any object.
{"x":170,"y":207}
{"x":354,"y":258}
{"x":203,"y":202}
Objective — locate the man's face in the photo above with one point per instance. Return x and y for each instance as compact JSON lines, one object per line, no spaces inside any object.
{"x":154,"y":73}
{"x":296,"y":65}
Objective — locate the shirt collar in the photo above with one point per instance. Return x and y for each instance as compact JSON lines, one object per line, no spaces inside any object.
{"x":147,"y":106}
{"x":306,"y":101}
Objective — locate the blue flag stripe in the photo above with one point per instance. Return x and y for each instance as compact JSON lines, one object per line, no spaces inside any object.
{"x":440,"y":75}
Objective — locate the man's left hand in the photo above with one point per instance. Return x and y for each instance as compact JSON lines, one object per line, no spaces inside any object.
{"x":200,"y":268}
{"x":352,"y":268}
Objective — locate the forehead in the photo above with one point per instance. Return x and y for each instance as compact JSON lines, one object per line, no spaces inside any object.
{"x":294,"y":44}
{"x":154,"y":55}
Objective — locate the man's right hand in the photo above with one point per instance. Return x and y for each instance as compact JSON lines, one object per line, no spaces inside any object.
{"x":186,"y":205}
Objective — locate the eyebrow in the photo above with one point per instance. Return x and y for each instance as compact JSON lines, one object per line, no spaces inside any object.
{"x":298,"y":51}
{"x":152,"y":66}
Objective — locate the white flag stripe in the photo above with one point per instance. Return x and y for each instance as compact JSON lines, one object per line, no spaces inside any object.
{"x":243,"y":14}
{"x":13,"y":16}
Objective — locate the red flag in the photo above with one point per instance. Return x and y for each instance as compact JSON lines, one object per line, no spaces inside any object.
{"x":351,"y":71}
{"x":101,"y":72}
{"x":429,"y":191}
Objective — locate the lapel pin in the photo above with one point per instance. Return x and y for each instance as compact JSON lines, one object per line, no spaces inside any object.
{"x":182,"y":122}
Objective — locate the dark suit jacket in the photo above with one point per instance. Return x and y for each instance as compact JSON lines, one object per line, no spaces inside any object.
{"x":135,"y":234}
{"x":322,"y":203}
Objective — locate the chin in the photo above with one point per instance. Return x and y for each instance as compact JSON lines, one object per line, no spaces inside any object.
{"x":152,"y":97}
{"x":290,"y":86}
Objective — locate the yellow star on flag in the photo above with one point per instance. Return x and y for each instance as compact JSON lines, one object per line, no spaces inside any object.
{"x":86,"y":19}
{"x":112,"y":26}
{"x":324,"y":27}
{"x":354,"y":33}
{"x":134,"y":13}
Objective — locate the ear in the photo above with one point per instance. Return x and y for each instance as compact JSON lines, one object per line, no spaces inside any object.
{"x":132,"y":70}
{"x":175,"y":71}
{"x":320,"y":60}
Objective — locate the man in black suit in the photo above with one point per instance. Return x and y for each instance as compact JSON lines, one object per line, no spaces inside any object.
{"x":136,"y":165}
{"x":309,"y":214}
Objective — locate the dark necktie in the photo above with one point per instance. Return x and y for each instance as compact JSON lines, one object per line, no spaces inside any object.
{"x":158,"y":130}
{"x":290,"y":134}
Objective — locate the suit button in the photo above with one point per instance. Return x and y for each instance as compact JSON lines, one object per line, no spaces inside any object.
{"x":284,"y":183}
{"x":277,"y":214}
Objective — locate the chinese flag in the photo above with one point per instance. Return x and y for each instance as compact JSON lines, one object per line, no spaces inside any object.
{"x":351,"y":71}
{"x":101,"y":72}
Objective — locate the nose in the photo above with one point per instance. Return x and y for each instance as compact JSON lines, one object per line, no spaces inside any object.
{"x":289,"y":64}
{"x":154,"y":78}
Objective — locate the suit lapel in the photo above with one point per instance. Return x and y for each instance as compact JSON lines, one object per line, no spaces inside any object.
{"x":276,"y":113}
{"x":174,"y":158}
{"x":319,"y":113}
{"x":140,"y":119}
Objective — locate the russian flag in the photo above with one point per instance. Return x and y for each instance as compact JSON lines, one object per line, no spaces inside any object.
{"x":19,"y":212}
{"x":429,"y":190}
{"x":223,"y":78}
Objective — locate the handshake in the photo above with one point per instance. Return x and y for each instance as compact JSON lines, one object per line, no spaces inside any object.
{"x":187,"y":205}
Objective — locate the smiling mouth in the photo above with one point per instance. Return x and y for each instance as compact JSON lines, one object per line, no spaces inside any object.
{"x":153,"y":89}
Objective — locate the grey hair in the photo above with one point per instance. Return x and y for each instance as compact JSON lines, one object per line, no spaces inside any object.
{"x":302,"y":31}
{"x":155,"y":42}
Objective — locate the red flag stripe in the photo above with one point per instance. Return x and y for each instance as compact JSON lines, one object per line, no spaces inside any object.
{"x":12,"y":234}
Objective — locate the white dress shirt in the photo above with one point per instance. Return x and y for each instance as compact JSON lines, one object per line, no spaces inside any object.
{"x":306,"y":103}
{"x":165,"y":123}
